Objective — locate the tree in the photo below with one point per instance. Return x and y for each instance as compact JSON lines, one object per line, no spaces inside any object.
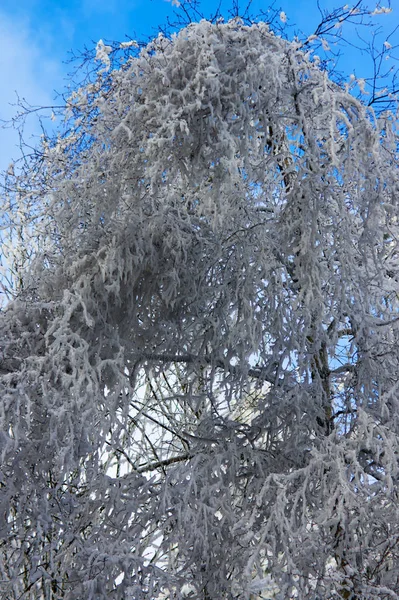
{"x":199,"y":366}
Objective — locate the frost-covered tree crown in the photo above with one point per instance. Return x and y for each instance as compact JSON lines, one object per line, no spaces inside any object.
{"x":199,"y":371}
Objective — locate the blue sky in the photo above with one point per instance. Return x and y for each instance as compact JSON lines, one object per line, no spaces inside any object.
{"x":36,"y":37}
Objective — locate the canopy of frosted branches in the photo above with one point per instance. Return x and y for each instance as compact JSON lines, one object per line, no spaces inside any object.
{"x":198,"y":373}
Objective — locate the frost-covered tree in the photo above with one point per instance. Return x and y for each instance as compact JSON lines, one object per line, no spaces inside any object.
{"x":199,"y":372}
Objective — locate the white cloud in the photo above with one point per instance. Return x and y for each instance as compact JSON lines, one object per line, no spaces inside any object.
{"x":25,"y":69}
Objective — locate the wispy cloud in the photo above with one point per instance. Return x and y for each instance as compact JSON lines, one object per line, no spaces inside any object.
{"x":27,"y":71}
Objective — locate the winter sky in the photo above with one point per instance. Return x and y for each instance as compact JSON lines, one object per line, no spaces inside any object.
{"x":36,"y":37}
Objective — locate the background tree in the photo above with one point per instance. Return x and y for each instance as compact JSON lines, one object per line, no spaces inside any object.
{"x":199,"y":367}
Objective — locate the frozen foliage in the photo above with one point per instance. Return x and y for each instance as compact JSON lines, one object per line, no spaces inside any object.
{"x":102,"y":52}
{"x":199,"y":374}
